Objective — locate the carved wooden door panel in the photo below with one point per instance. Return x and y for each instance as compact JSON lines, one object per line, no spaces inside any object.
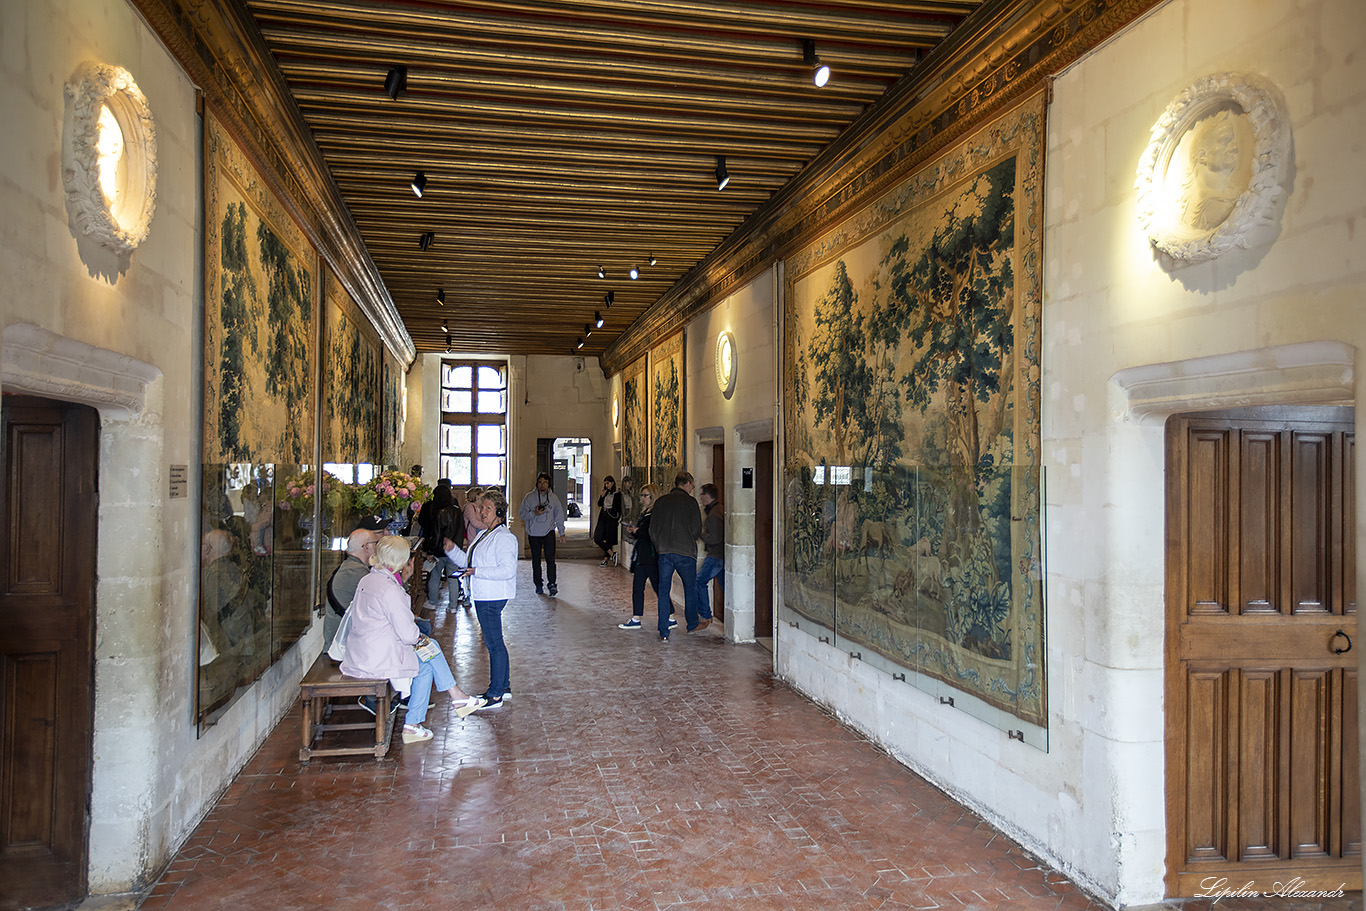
{"x":48,"y":504}
{"x":1261,"y":684}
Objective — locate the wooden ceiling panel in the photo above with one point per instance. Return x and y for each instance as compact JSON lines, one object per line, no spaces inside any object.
{"x":565,"y":135}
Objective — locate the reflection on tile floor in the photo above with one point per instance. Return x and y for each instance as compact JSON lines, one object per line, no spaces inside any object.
{"x":625,"y":773}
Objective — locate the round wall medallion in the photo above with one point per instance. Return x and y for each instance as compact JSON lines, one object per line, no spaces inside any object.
{"x":726,"y":363}
{"x":1213,"y":175}
{"x":109,"y":157}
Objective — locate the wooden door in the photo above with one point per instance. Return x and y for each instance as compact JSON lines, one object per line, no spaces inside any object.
{"x":48,"y":503}
{"x":763,"y":539}
{"x":718,"y":477}
{"x":1261,"y":684}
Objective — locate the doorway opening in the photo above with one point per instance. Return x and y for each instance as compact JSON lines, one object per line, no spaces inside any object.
{"x":569,"y":462}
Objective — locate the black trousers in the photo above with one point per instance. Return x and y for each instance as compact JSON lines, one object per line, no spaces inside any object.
{"x":541,"y":543}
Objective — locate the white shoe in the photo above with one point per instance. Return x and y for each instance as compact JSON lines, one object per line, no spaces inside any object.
{"x":416,"y":733}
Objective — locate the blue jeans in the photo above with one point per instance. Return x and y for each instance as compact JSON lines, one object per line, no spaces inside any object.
{"x":444,"y":564}
{"x":686,"y":567}
{"x":490,"y":614}
{"x":429,"y":671}
{"x":711,"y":568}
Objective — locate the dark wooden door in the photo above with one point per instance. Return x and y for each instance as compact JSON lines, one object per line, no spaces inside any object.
{"x":1261,"y":689}
{"x":718,"y":477}
{"x":48,"y":503}
{"x":763,"y":539}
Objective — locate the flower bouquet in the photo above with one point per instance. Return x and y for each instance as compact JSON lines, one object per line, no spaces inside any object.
{"x":390,"y":492}
{"x":300,"y":490}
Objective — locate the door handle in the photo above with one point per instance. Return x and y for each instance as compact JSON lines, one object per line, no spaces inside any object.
{"x":1341,"y":651}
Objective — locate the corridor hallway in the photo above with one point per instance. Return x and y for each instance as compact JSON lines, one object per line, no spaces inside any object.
{"x":625,"y":773}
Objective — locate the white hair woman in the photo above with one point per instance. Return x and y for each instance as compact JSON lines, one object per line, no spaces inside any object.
{"x":384,"y":640}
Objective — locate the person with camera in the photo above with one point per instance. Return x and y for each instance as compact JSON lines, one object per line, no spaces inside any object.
{"x":489,"y":563}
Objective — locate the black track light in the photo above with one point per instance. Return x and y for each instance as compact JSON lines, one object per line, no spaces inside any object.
{"x":602,"y":273}
{"x":635,"y":273}
{"x":425,"y":239}
{"x":448,"y":344}
{"x":611,"y":298}
{"x":578,"y":342}
{"x":722,"y":175}
{"x":419,"y":183}
{"x":652,"y":259}
{"x":441,"y":297}
{"x":597,"y":319}
{"x":396,"y":82}
{"x":587,"y":330}
{"x":444,"y":328}
{"x":820,"y":73}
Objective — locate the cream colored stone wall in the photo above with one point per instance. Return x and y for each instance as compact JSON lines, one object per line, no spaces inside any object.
{"x":1094,"y":803}
{"x":748,"y":416}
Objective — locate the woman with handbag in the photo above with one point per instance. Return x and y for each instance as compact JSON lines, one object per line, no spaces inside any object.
{"x":383,"y":640}
{"x":490,"y":563}
{"x":609,"y":514}
{"x":644,"y":560}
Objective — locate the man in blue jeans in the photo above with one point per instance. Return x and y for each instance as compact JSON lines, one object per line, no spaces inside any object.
{"x":675,"y":526}
{"x":714,"y":542}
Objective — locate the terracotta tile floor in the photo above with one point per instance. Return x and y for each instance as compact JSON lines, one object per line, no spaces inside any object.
{"x":625,"y":773}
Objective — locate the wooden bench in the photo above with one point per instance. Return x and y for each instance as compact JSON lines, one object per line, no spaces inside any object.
{"x":324,"y":681}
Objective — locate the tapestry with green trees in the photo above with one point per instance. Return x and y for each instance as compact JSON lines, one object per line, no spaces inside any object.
{"x":351,"y":382}
{"x":393,"y":410}
{"x":635,"y":418}
{"x":666,"y":410}
{"x":911,"y":378}
{"x":260,"y":323}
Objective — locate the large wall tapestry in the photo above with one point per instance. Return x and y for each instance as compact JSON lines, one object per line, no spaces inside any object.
{"x":392,"y":430}
{"x":259,"y":325}
{"x":260,"y":404}
{"x":666,"y":411}
{"x":635,"y":419}
{"x":351,"y":382}
{"x":911,"y":375}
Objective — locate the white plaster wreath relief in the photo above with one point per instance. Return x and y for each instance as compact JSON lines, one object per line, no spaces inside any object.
{"x":1213,"y":175}
{"x":725,"y":363}
{"x":109,"y":157}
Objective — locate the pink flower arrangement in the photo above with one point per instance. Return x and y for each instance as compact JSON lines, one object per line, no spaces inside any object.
{"x":300,"y":490}
{"x":391,"y":490}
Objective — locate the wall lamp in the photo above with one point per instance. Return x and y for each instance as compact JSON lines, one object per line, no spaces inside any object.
{"x":396,"y":82}
{"x":820,"y":73}
{"x":419,"y":183}
{"x":722,"y":175}
{"x":441,"y":297}
{"x":425,"y":239}
{"x":597,"y":319}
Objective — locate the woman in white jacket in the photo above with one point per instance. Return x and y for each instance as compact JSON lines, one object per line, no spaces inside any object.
{"x":490,"y":563}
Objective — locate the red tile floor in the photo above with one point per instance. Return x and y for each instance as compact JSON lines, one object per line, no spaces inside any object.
{"x":625,"y":773}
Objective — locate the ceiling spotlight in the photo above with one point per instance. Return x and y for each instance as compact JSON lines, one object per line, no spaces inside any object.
{"x":448,"y":344}
{"x":602,"y":273}
{"x":441,"y":297}
{"x":652,"y":259}
{"x":443,"y":326}
{"x":722,"y":175}
{"x":611,"y":299}
{"x":425,"y":239}
{"x":578,"y":342}
{"x":635,"y":273}
{"x":820,"y":73}
{"x":419,"y":184}
{"x":597,"y":319}
{"x":396,"y":82}
{"x":587,"y":330}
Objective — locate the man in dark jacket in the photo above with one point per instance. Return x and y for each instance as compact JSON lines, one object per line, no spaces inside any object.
{"x":714,"y":541}
{"x":675,"y":526}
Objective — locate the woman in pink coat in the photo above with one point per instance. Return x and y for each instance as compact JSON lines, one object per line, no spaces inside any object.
{"x":383,"y":640}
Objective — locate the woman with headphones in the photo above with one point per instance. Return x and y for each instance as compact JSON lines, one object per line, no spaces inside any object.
{"x":490,"y":566}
